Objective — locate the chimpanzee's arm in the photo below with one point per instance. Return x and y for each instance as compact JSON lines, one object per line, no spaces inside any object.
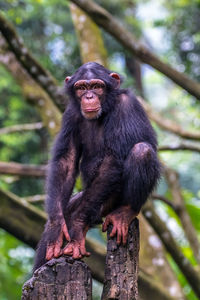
{"x":61,"y":177}
{"x":60,"y":182}
{"x":63,"y":166}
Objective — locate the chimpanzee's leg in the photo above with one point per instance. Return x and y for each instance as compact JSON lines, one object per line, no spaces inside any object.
{"x":88,"y":213}
{"x":141,"y":173}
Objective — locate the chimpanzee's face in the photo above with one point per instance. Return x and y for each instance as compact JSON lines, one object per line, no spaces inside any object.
{"x":91,"y":94}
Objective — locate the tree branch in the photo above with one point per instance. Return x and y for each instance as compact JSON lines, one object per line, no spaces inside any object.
{"x":158,"y":118}
{"x":166,"y":201}
{"x":182,"y":146}
{"x":13,"y":168}
{"x":104,"y":19}
{"x":167,"y":124}
{"x":35,"y":198}
{"x":89,"y":36}
{"x":21,"y":219}
{"x":171,"y":246}
{"x":32,"y":66}
{"x":33,"y":93}
{"x":134,"y":68}
{"x":173,"y":182}
{"x":21,"y":127}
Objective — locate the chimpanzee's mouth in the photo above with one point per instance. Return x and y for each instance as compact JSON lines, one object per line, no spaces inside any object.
{"x":91,"y":109}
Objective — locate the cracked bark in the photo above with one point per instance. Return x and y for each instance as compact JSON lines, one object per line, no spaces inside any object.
{"x":62,"y":278}
{"x":121,"y":271}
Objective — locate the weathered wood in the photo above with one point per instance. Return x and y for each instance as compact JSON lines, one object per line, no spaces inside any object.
{"x":60,"y":279}
{"x":121,"y":273}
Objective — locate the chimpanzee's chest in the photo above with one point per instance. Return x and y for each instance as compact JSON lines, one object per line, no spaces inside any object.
{"x":92,"y":139}
{"x":93,"y":150}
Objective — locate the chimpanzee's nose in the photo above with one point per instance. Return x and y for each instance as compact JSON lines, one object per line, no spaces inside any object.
{"x":89,"y":95}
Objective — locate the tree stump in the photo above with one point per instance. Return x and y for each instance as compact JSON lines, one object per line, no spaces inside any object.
{"x":60,"y":279}
{"x":121,"y":271}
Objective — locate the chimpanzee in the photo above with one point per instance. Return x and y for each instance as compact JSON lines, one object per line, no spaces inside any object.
{"x":107,"y":136}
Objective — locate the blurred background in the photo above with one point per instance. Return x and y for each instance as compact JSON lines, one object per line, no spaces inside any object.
{"x":42,"y":42}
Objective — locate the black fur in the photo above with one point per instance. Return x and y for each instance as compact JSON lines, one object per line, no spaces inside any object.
{"x":103,"y":150}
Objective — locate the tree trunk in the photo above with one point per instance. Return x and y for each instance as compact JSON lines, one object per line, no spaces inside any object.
{"x":121,"y":273}
{"x":60,"y":279}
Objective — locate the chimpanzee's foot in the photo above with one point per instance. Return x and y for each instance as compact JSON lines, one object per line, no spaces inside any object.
{"x":120,"y":218}
{"x":54,"y":248}
{"x":76,"y":247}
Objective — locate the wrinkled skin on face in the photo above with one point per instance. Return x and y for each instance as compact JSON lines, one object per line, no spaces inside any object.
{"x":90,"y":93}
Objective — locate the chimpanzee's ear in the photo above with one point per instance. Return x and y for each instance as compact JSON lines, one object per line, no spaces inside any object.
{"x":67,"y":79}
{"x":117,"y":78}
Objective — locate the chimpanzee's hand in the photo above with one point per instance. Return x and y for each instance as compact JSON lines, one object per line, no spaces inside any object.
{"x":56,"y":233}
{"x":120,"y":218}
{"x":76,"y":247}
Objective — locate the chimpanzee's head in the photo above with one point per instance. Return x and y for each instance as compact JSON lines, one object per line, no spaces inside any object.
{"x":90,"y":87}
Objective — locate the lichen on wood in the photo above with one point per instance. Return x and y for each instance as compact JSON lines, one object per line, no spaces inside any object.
{"x":89,"y":35}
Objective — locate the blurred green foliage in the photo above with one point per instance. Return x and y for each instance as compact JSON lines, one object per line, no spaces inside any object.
{"x":16,"y":261}
{"x":24,"y":147}
{"x":182,"y":30}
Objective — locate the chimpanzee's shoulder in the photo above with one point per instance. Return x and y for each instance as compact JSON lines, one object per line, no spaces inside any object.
{"x":127,"y":99}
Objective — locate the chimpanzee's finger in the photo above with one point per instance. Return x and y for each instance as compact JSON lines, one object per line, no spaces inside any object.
{"x":58,"y":245}
{"x":57,"y":249}
{"x":49,"y":252}
{"x":66,"y":233}
{"x":105,"y":224}
{"x":124,"y":234}
{"x":68,"y":250}
{"x":76,"y":251}
{"x":114,"y":230}
{"x":83,"y":251}
{"x":87,"y":253}
{"x":119,"y":235}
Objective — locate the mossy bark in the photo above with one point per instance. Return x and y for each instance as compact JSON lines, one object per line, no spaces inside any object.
{"x":89,"y":36}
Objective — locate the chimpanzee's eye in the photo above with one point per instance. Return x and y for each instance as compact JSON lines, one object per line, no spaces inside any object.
{"x":82,"y":88}
{"x":96,"y":86}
